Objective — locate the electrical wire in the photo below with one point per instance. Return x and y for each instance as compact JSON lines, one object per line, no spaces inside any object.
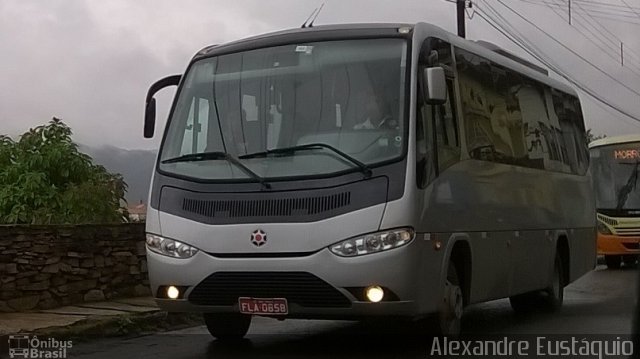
{"x":620,"y":16}
{"x":599,"y":3}
{"x":537,"y":55}
{"x":630,"y":8}
{"x":597,"y":41}
{"x":569,"y":49}
{"x":616,"y":40}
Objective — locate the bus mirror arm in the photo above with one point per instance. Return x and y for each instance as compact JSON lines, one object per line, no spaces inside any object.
{"x":436,"y":86}
{"x":150,"y":118}
{"x":150,"y":104}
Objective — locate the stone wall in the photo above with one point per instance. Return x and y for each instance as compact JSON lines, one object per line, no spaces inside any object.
{"x":44,"y":267}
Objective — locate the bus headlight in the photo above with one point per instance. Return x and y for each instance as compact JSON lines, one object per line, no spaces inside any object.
{"x":170,"y":247}
{"x":373,"y":242}
{"x":603,"y":228}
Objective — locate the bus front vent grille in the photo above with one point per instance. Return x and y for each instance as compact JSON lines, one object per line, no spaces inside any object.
{"x":302,"y":288}
{"x":607,"y":220}
{"x":276,"y":207}
{"x":628,"y":231}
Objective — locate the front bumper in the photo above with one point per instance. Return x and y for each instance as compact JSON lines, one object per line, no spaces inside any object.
{"x":410,"y":272}
{"x":618,"y":245}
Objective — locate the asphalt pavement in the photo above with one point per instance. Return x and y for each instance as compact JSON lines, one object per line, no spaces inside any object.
{"x":602,"y":303}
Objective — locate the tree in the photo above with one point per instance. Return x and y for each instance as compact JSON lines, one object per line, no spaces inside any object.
{"x":591,"y":137}
{"x":45,"y":179}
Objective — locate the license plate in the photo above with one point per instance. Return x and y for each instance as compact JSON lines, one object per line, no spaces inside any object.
{"x":270,"y":306}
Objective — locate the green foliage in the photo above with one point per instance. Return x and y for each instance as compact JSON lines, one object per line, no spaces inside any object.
{"x":45,"y":179}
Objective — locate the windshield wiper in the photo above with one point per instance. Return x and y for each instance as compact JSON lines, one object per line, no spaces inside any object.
{"x":312,"y":146}
{"x":217,"y":155}
{"x":623,"y":195}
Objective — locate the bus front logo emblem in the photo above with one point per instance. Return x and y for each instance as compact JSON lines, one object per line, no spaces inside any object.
{"x":258,"y":238}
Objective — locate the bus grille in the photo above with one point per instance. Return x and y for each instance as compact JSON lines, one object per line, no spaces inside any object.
{"x":607,"y":220}
{"x":267,"y":207}
{"x":304,"y":289}
{"x":628,"y":231}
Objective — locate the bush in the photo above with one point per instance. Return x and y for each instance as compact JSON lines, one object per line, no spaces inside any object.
{"x":45,"y":179}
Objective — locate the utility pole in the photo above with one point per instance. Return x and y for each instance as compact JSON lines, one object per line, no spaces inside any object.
{"x":460,"y":6}
{"x":569,"y":12}
{"x":621,"y":53}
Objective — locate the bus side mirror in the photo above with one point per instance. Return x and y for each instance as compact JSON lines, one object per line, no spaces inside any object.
{"x":435,"y":86}
{"x":150,"y":108}
{"x":150,"y":118}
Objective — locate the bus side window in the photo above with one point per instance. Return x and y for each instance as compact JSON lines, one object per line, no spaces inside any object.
{"x":425,"y":154}
{"x":437,"y":141}
{"x":446,"y":127}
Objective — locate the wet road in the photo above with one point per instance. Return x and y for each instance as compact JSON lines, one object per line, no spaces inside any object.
{"x":602,"y":302}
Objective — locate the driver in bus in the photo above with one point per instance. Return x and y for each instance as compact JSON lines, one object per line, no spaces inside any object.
{"x":374,"y":117}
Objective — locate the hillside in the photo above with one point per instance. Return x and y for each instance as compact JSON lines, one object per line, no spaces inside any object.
{"x":136,"y":166}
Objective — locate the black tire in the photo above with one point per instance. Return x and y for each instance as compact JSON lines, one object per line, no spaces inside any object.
{"x":613,"y":261}
{"x":555,"y":292}
{"x":448,"y":321}
{"x":525,"y":303}
{"x":630,"y":260}
{"x":227,"y":326}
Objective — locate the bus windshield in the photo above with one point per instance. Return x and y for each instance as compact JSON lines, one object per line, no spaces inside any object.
{"x":615,"y":171}
{"x":345,"y":95}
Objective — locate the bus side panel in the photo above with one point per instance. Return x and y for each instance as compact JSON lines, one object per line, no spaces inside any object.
{"x":578,"y":202}
{"x":510,"y":214}
{"x":531,"y":261}
{"x":582,"y":246}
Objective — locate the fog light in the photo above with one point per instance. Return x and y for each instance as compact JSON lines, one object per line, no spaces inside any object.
{"x":374,"y":294}
{"x":173,"y":292}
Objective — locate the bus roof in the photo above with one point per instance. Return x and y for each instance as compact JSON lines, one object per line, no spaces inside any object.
{"x":615,"y":140}
{"x":302,"y":33}
{"x":481,"y":48}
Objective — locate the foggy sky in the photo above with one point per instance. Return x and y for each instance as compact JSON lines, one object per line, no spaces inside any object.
{"x":91,"y":62}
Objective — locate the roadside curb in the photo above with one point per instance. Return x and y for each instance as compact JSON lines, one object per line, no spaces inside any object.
{"x":129,"y":324}
{"x":123,"y":326}
{"x":126,"y":325}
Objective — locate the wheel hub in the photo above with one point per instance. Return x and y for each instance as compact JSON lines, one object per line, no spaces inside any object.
{"x":452,"y":308}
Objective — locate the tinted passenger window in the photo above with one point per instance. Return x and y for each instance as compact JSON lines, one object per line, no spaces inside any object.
{"x":572,"y":135}
{"x":446,"y":128}
{"x":512,"y":119}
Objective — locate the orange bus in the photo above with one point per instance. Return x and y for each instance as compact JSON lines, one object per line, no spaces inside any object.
{"x":615,"y":165}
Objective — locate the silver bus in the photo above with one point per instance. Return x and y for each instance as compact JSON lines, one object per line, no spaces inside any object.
{"x":366,"y":171}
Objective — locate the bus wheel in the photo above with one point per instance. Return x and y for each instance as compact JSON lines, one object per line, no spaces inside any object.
{"x":613,"y":261}
{"x":630,"y":260}
{"x":555,"y":291}
{"x":227,"y":326}
{"x":524,"y":303}
{"x":449,"y":320}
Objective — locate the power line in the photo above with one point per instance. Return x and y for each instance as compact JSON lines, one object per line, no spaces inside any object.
{"x":630,"y":8}
{"x":619,"y":40}
{"x":569,"y":49}
{"x":603,"y":11}
{"x":578,"y":16}
{"x":537,"y":54}
{"x":612,"y":47}
{"x":616,"y":41}
{"x":619,"y":16}
{"x":599,"y":3}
